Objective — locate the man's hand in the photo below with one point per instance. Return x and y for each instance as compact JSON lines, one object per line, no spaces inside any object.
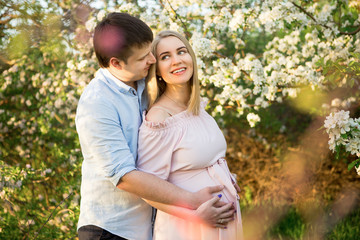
{"x":206,"y":194}
{"x":215,"y":216}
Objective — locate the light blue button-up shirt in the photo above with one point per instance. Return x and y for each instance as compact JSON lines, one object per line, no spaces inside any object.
{"x":108,"y":117}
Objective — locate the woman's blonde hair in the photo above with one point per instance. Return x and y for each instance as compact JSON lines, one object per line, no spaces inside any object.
{"x":155,"y":88}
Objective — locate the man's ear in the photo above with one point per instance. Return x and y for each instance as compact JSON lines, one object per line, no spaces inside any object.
{"x":116,"y":63}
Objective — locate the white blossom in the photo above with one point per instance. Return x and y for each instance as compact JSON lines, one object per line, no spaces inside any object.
{"x":202,"y":46}
{"x":90,"y":24}
{"x":253,"y":119}
{"x":81,"y":66}
{"x":357,"y":170}
{"x":338,"y":125}
{"x":101,"y":14}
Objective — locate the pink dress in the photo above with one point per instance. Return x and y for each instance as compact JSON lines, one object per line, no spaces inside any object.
{"x":188,"y":151}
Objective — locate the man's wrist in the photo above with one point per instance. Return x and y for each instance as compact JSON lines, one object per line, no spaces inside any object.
{"x":193,"y":200}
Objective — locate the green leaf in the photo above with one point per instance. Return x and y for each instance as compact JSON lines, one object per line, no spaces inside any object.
{"x":352,"y":82}
{"x":352,"y":164}
{"x":344,"y":135}
{"x":337,"y":150}
{"x":355,"y":54}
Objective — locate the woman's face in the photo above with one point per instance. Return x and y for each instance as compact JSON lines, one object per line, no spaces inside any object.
{"x":174,"y":63}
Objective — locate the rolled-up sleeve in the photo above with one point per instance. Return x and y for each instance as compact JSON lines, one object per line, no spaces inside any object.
{"x":102,"y":138}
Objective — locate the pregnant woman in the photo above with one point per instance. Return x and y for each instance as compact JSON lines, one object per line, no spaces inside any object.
{"x":180,"y":142}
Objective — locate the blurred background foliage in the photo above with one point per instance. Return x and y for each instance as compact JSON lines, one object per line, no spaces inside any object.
{"x":293,"y":187}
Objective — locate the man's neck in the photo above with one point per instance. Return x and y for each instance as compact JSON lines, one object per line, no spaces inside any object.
{"x":132,"y":84}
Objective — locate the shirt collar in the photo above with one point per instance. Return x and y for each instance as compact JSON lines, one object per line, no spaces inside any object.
{"x":118,"y":82}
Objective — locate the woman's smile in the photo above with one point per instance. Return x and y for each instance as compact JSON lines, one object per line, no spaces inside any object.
{"x":179,"y":71}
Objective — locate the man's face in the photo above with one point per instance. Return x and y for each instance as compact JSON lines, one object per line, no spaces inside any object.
{"x":138,"y":64}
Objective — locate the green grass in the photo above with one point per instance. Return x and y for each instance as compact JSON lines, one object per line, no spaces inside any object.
{"x":348,"y":228}
{"x":293,"y":226}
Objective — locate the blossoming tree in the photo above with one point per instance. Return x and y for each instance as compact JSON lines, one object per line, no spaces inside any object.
{"x":250,"y":53}
{"x":317,"y":45}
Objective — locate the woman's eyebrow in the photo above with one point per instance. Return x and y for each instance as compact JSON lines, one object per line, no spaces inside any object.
{"x":176,"y":50}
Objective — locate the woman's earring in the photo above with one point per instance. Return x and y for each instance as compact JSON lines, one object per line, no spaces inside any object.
{"x":160,"y":78}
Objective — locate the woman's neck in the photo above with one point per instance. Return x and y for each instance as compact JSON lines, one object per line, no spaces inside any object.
{"x":178,"y":94}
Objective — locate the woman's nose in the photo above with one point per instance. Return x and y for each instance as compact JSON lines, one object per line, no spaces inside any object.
{"x":176,"y":59}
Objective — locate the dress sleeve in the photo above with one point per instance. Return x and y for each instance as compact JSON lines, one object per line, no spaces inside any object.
{"x":156,"y":148}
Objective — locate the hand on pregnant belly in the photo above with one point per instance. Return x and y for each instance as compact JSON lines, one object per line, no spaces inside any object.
{"x":214,"y":213}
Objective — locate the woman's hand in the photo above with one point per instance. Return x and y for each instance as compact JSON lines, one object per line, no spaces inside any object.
{"x":212,"y":215}
{"x":205,"y":194}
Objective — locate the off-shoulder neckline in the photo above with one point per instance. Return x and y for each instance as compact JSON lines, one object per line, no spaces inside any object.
{"x":172,"y":120}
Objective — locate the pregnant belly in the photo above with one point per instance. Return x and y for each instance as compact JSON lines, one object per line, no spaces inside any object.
{"x":195,"y":180}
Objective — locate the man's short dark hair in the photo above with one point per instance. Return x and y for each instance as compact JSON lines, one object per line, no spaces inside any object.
{"x":116,"y":34}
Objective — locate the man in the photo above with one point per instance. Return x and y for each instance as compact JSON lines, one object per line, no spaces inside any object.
{"x":108,"y":117}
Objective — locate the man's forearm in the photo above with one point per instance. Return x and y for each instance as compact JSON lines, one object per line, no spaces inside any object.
{"x":153,"y":188}
{"x":207,"y":213}
{"x":184,"y":213}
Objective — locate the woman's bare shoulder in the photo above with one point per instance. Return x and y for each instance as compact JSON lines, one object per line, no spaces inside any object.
{"x":157,"y":114}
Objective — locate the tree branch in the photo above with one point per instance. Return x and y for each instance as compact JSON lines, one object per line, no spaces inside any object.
{"x":309,"y":15}
{"x":324,"y":25}
{"x":8,"y":19}
{"x":52,"y":214}
{"x":187,"y":33}
{"x":351,"y":33}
